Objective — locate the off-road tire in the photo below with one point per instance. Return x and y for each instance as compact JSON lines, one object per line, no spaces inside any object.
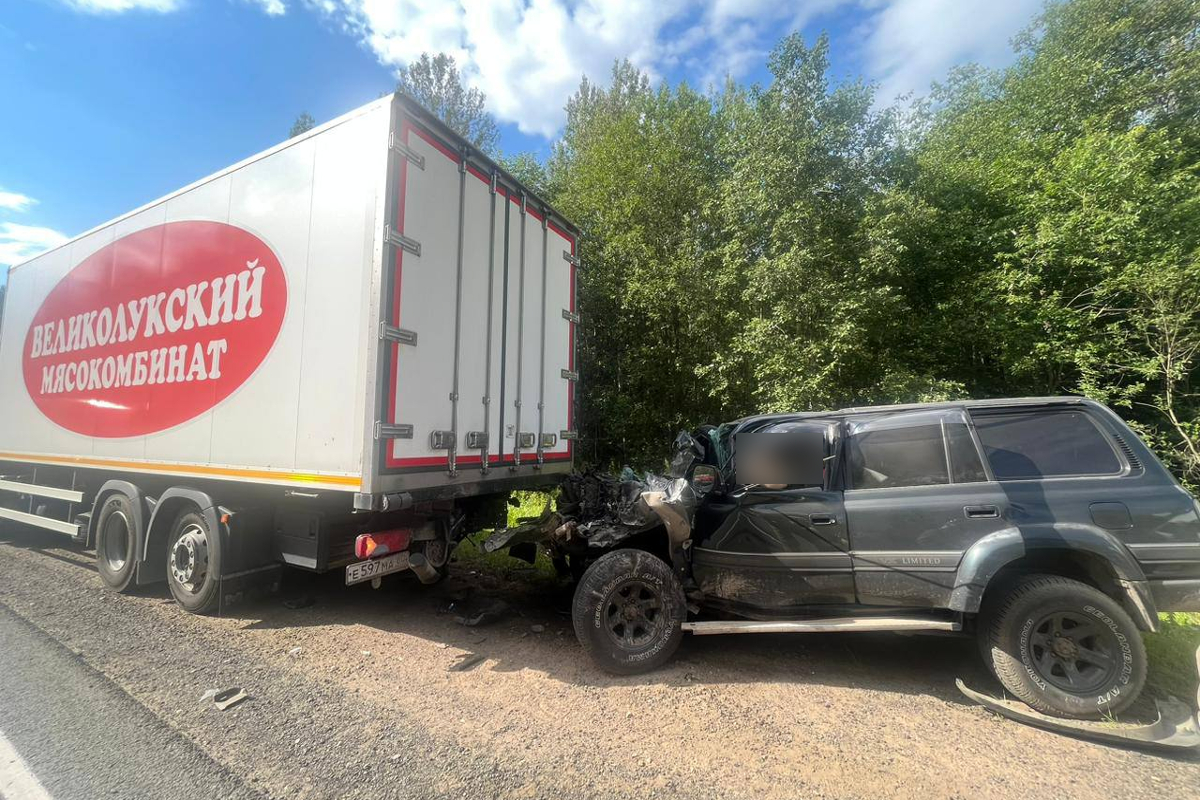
{"x":203,"y":598}
{"x":605,"y":612}
{"x":1099,"y":674}
{"x":116,"y":543}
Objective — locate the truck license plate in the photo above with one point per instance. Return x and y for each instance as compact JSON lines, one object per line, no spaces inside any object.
{"x":366,"y":570}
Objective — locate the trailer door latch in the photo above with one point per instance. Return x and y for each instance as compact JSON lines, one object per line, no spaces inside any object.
{"x":385,"y":430}
{"x":393,"y":334}
{"x":398,"y":239}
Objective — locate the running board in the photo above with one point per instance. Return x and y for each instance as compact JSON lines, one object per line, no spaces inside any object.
{"x":826,"y":625}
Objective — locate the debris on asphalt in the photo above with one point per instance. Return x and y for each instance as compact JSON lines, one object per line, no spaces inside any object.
{"x":365,"y":652}
{"x":302,"y":601}
{"x":473,"y":614}
{"x":537,"y":628}
{"x":466,"y":661}
{"x":295,"y":651}
{"x":228,"y":698}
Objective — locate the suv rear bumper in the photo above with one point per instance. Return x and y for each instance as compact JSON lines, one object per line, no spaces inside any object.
{"x":1176,"y":595}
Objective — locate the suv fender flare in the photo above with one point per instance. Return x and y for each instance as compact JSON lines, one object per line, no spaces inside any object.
{"x":153,"y":565}
{"x":984,"y":559}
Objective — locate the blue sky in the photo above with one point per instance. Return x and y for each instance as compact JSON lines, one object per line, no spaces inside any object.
{"x":109,"y":104}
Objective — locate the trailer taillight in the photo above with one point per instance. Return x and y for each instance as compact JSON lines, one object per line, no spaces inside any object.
{"x":380,"y":543}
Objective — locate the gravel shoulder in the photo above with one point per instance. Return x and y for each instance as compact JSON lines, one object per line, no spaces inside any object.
{"x":353,"y":696}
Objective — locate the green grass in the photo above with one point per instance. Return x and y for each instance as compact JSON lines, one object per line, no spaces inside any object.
{"x":1172,"y":655}
{"x":470,"y":552}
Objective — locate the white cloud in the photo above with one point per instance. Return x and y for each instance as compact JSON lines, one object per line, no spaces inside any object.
{"x":21,"y":242}
{"x":528,"y":56}
{"x":15,"y":201}
{"x":273,"y":8}
{"x":910,"y":43}
{"x":118,"y":6}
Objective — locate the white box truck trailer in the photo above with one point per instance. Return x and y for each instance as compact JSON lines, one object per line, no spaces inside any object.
{"x":332,"y":354}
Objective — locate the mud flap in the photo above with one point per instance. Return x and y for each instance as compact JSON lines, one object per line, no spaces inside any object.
{"x":1176,"y":728}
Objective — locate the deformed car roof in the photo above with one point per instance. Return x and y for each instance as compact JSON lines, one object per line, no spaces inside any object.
{"x":998,"y":402}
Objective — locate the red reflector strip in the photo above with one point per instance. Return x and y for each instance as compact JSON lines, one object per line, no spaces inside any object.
{"x":380,"y":543}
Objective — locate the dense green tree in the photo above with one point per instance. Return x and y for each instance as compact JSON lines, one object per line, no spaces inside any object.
{"x":1048,"y":233}
{"x":1032,"y":230}
{"x":435,"y":82}
{"x":636,"y":168}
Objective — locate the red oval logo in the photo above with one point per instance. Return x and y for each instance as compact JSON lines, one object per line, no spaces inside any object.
{"x":154,"y":329}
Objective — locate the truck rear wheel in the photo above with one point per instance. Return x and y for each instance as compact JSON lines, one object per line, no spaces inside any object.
{"x":628,"y":612}
{"x":193,"y":563}
{"x":116,"y":543}
{"x":1065,"y":648}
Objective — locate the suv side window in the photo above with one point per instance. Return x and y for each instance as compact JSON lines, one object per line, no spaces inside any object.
{"x":965,"y":464}
{"x":1042,"y":444}
{"x":924,"y":448}
{"x":899,"y":450}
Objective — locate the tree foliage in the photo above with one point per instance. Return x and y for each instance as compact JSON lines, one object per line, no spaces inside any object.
{"x":436,"y":84}
{"x":303,"y":124}
{"x":1034,"y":230}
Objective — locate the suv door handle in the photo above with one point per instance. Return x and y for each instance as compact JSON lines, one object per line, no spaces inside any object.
{"x":822,"y":519}
{"x":981,"y":512}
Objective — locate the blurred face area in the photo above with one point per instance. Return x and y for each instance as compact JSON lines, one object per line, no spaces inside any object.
{"x":781,"y":458}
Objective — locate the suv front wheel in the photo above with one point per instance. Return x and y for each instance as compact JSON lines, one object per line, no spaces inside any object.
{"x":1065,"y":648}
{"x":628,"y":612}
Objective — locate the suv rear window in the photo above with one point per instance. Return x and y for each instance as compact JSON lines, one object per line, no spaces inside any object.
{"x":1040,"y":444}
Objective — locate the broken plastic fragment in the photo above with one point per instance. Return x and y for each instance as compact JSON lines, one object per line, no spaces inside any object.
{"x":1175,"y":729}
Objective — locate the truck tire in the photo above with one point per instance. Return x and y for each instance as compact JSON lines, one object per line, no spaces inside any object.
{"x":193,"y":563}
{"x":1065,"y":648}
{"x":628,"y":612}
{"x":116,"y":543}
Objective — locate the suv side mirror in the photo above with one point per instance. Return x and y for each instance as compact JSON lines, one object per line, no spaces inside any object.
{"x":705,"y":478}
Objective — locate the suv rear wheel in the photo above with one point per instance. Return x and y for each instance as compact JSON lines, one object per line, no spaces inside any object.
{"x":1065,"y":648}
{"x":628,"y":612}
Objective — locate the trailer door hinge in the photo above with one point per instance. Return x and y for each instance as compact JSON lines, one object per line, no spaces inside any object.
{"x":568,"y":375}
{"x":416,"y":158}
{"x":387,"y":430}
{"x":570,"y":257}
{"x":403,"y":242}
{"x":568,"y":435}
{"x":571,"y":316}
{"x":394,"y":334}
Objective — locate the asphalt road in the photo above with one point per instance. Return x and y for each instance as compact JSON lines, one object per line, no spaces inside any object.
{"x":83,"y":738}
{"x":356,"y":693}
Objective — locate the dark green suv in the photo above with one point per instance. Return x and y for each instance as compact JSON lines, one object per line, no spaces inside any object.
{"x":1043,"y":524}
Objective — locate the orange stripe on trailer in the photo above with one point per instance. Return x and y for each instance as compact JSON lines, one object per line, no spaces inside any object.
{"x":185,"y":469}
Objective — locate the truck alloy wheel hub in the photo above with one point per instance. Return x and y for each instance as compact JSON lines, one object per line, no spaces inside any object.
{"x":189,"y":558}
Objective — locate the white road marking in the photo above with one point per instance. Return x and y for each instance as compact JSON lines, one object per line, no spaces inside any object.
{"x":17,"y":782}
